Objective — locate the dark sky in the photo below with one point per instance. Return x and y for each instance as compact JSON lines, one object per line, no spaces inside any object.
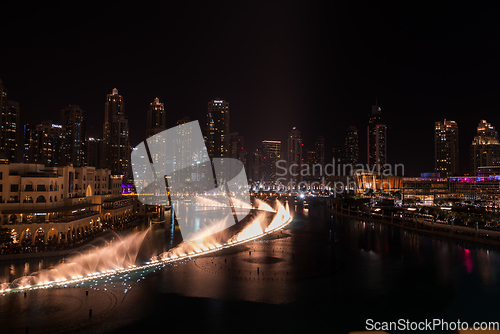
{"x":315,"y":65}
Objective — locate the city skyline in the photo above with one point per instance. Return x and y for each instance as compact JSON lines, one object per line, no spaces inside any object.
{"x":314,"y":164}
{"x":157,"y":109}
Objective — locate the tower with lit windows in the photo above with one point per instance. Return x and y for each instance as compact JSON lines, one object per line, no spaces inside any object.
{"x":446,"y":148}
{"x":377,"y":140}
{"x":9,"y":125}
{"x":73,"y":121}
{"x":294,"y":155}
{"x":271,"y":154}
{"x":116,"y":135}
{"x":485,"y":148}
{"x":217,"y":129}
{"x":155,"y":118}
{"x":351,"y":146}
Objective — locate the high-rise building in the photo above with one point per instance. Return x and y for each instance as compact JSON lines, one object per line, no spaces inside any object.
{"x":446,"y":148}
{"x":351,"y":146}
{"x":294,"y":155}
{"x":485,"y":148}
{"x":9,"y":125}
{"x":95,"y":154}
{"x":45,"y":144}
{"x":338,"y":153}
{"x":319,"y":147}
{"x":237,"y":148}
{"x":351,"y":149}
{"x":116,"y":135}
{"x":271,"y":153}
{"x":377,"y":140}
{"x":217,"y":130}
{"x":73,"y":121}
{"x":29,"y":143}
{"x":257,"y":165}
{"x":155,"y":118}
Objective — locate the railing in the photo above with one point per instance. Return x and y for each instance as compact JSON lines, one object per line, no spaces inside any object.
{"x":56,"y":220}
{"x":462,"y":232}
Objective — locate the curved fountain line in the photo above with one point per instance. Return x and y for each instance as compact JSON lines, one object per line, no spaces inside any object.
{"x":287,"y":219}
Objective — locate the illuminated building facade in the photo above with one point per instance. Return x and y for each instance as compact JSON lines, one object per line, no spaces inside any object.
{"x":271,"y":153}
{"x":475,"y":188}
{"x":59,"y":204}
{"x":9,"y":127}
{"x":377,"y":135}
{"x":217,"y":130}
{"x":424,"y":189}
{"x":155,"y":118}
{"x":116,"y":135}
{"x":485,"y":148}
{"x":45,"y":144}
{"x":377,"y":182}
{"x":73,"y":121}
{"x":294,"y":155}
{"x":446,"y":148}
{"x":351,"y":149}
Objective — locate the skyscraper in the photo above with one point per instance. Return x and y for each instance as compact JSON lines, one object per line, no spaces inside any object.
{"x":377,"y":136}
{"x":95,"y":153}
{"x":319,"y":147}
{"x":45,"y":144}
{"x":9,"y":124}
{"x":446,"y":148}
{"x":217,"y":130}
{"x":155,"y":118}
{"x":29,"y":143}
{"x":294,"y":155}
{"x":257,"y":168}
{"x":485,"y":148}
{"x":237,"y":148}
{"x":271,"y":151}
{"x":351,"y":148}
{"x":73,"y":121}
{"x":116,"y":135}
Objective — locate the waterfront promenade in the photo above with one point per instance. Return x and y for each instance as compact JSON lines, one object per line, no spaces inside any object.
{"x":420,"y":225}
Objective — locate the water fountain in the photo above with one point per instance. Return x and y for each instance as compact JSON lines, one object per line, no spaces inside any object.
{"x":120,"y":256}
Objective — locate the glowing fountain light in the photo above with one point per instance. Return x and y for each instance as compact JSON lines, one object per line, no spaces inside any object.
{"x":263,"y":206}
{"x":120,"y":256}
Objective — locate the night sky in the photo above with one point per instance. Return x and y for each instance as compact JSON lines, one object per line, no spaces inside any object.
{"x":318,"y":66}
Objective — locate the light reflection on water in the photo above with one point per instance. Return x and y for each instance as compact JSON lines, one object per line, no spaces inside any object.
{"x":470,"y":270}
{"x":384,"y":273}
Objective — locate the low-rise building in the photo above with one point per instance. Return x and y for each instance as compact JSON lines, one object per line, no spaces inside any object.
{"x":59,"y":204}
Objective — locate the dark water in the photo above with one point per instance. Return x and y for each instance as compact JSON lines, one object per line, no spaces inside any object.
{"x":368,"y":271}
{"x":323,"y":273}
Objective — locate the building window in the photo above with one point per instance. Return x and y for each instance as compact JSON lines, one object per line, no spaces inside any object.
{"x":40,"y":187}
{"x":14,"y":188}
{"x":41,"y":199}
{"x":28,"y":199}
